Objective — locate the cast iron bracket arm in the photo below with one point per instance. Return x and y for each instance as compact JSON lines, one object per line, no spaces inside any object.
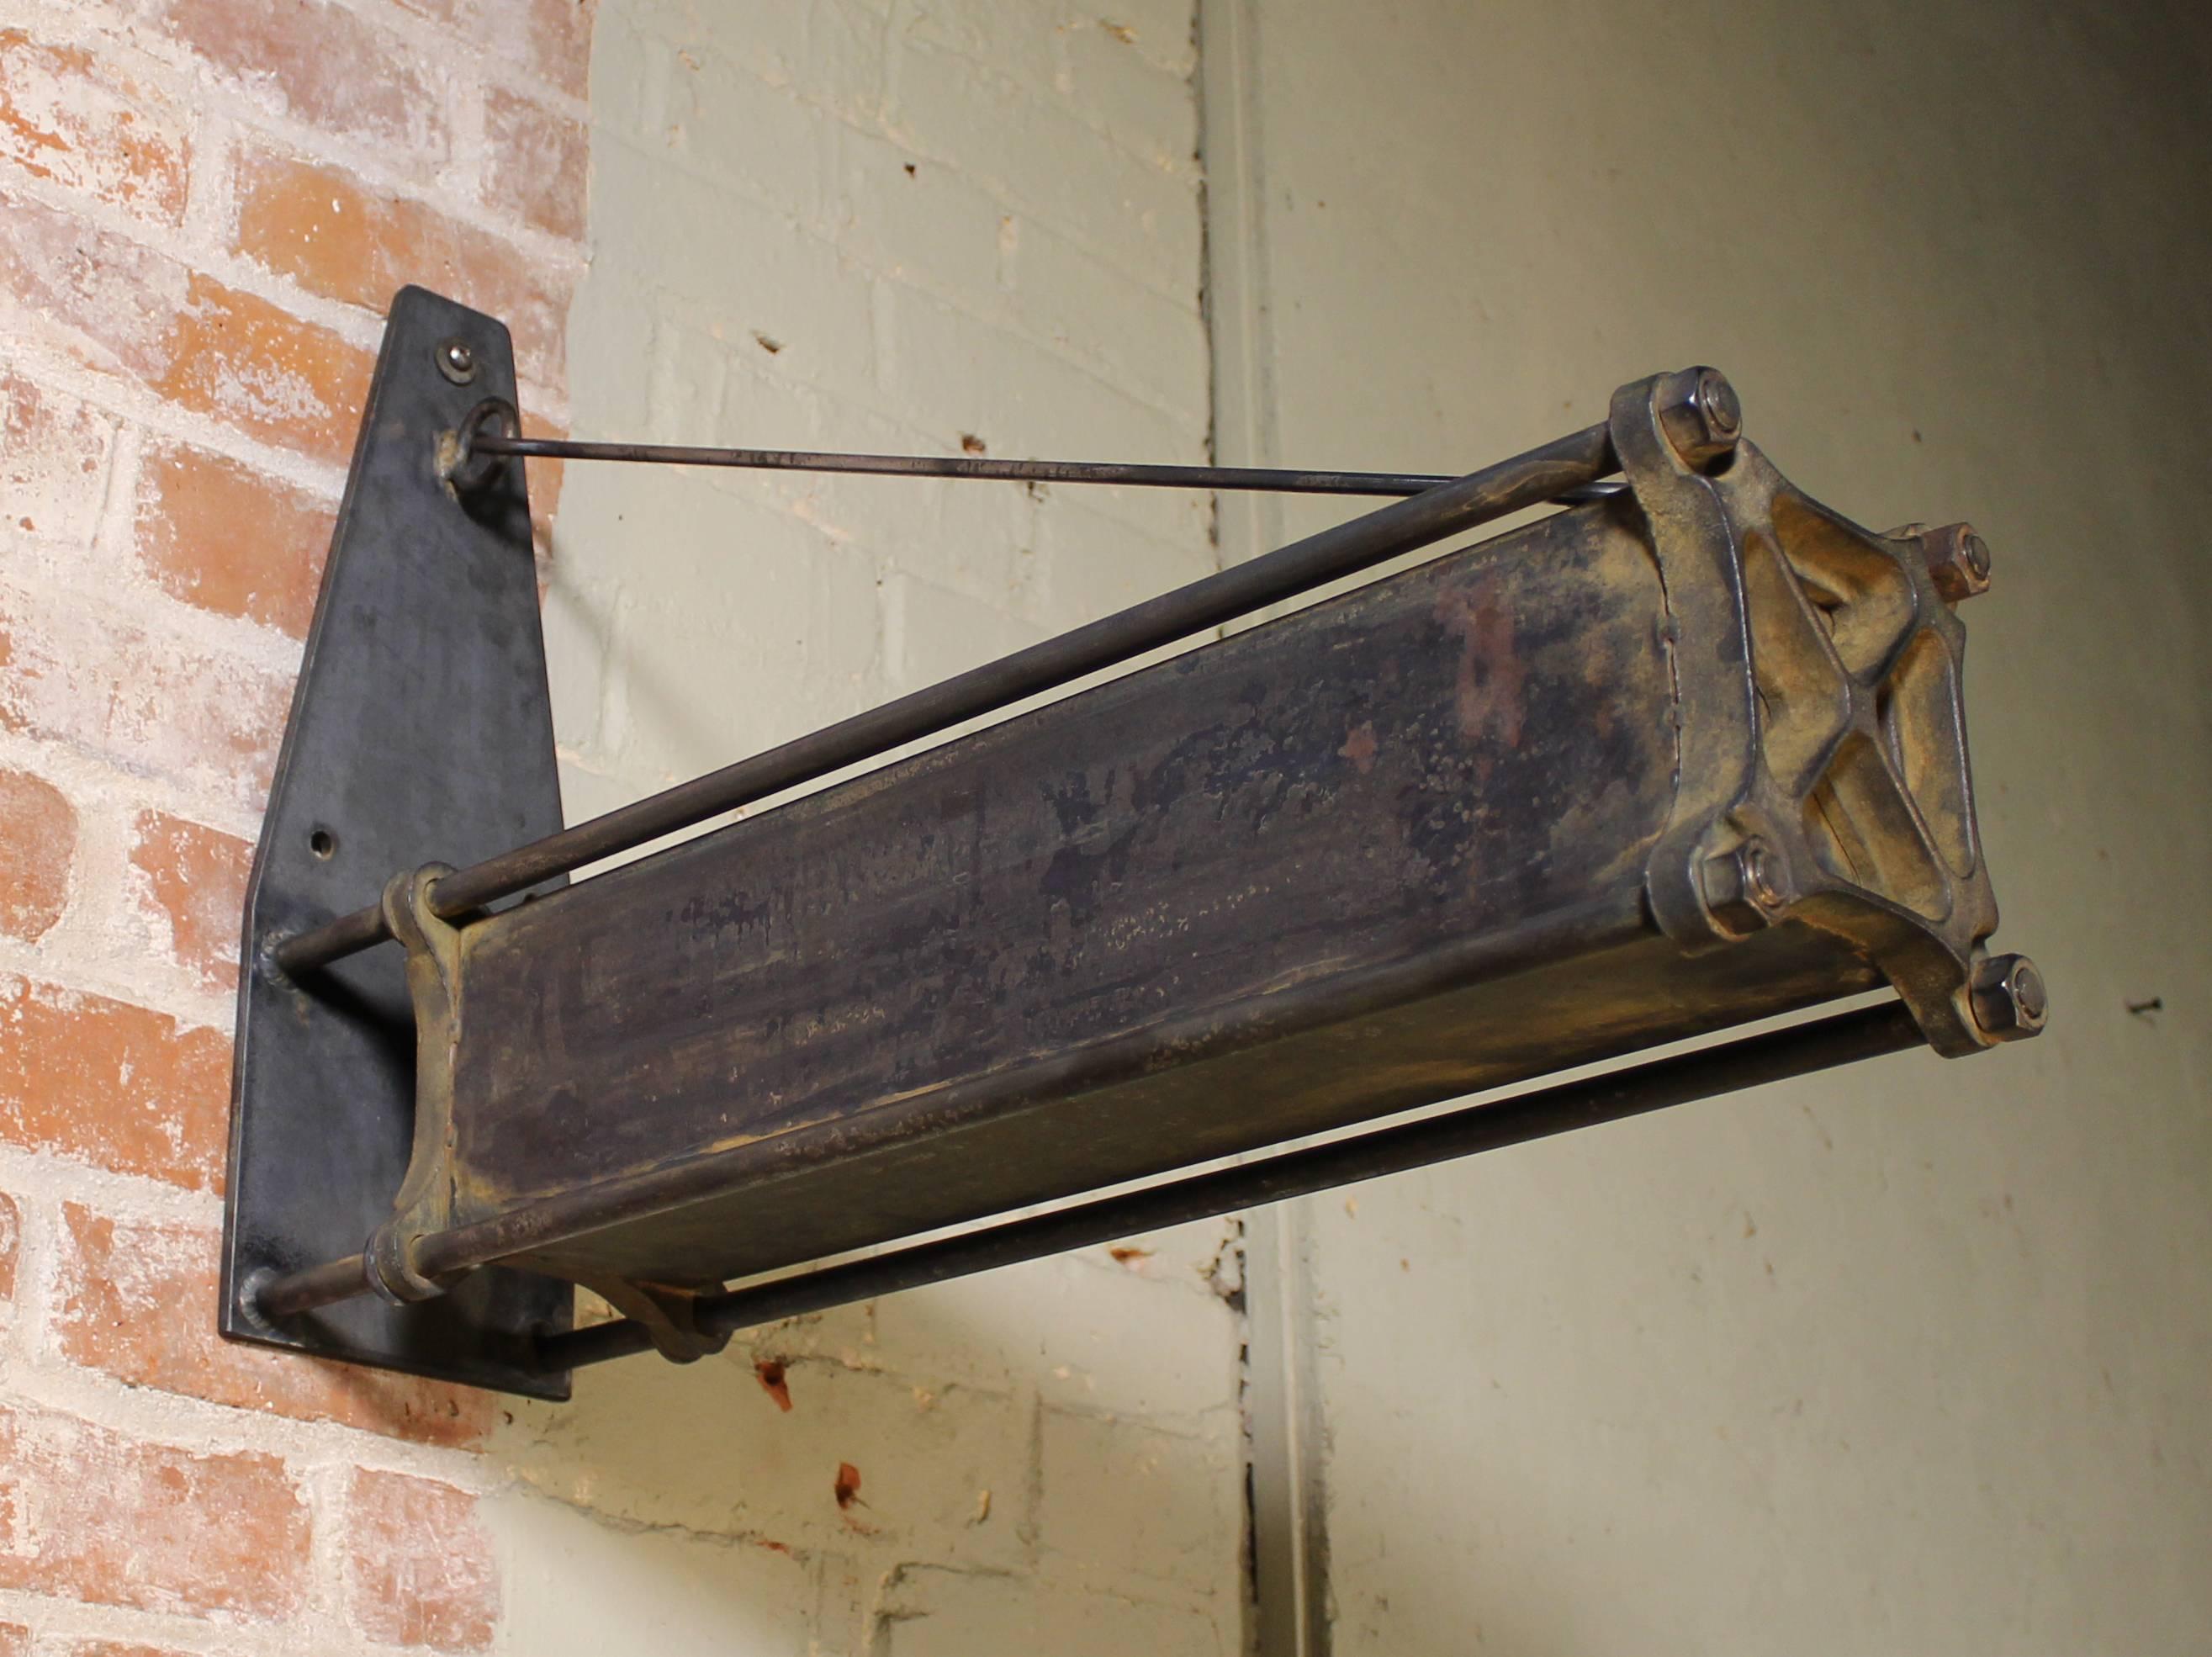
{"x":1822,"y":774}
{"x":424,"y":1201}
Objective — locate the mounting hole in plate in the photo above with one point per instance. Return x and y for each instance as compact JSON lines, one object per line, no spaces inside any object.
{"x":322,"y":843}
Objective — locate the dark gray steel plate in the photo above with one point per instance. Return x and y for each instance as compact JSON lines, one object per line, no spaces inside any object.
{"x":422,"y":701}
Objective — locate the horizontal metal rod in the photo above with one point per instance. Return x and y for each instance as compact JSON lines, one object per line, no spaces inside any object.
{"x":1532,"y":479}
{"x":1272,"y":480}
{"x":1796,"y":1050}
{"x":318,"y":1286}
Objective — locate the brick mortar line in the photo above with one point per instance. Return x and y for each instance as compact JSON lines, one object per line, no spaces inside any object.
{"x":81,"y":972}
{"x":90,"y":779}
{"x":44,"y":1176}
{"x":228,"y":637}
{"x":52,"y":1617}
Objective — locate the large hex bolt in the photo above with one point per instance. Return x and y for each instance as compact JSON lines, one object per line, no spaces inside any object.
{"x":1958,"y":559}
{"x":2007,"y":995}
{"x":1700,"y":414}
{"x":1745,"y":888}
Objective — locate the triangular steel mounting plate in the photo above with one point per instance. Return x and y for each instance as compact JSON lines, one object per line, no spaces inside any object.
{"x":422,"y":700}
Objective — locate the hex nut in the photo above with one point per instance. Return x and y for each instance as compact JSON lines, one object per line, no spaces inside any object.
{"x":1701,"y":414}
{"x":1958,"y":559}
{"x":2010,"y":998}
{"x":1745,"y":887}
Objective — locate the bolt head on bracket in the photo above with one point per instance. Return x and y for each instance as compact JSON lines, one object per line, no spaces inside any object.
{"x":2009,"y":999}
{"x":1745,"y":887}
{"x":1701,"y":414}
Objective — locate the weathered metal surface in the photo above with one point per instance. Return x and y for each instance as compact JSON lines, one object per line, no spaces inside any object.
{"x":1385,"y":850}
{"x":420,"y":728}
{"x":1815,"y":1045}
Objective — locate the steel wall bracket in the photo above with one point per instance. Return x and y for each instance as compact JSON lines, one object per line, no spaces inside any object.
{"x":420,"y":713}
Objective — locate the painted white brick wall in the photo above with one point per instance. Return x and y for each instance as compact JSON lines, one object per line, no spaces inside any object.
{"x":896,"y":225}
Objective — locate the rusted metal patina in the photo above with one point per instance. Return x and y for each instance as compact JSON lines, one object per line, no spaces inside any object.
{"x":1658,"y":764}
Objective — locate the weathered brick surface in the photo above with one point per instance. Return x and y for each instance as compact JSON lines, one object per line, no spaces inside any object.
{"x":99,"y":1080}
{"x":138,"y":695}
{"x":419,"y":1567}
{"x":320,"y":64}
{"x":37,"y":849}
{"x":91,"y":1514}
{"x":193,"y":508}
{"x":550,"y":40}
{"x":54,"y":456}
{"x":135,"y":1301}
{"x":194,"y":885}
{"x":335,"y":236}
{"x":68,"y":116}
{"x":204,"y":206}
{"x":11,"y":1243}
{"x":534,"y":163}
{"x":210,"y":348}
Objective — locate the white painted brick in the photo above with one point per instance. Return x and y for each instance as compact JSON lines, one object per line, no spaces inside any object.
{"x":740,"y":270}
{"x":721,"y":642}
{"x":685,"y":382}
{"x":760,"y":141}
{"x":927,"y":1613}
{"x":1020,"y":399}
{"x":609,"y":347}
{"x":1156,"y":346}
{"x":1067,"y":1325}
{"x":572,"y":1583}
{"x":1092,"y":561}
{"x":1165,"y":31}
{"x":944,"y":1470}
{"x":1146,"y":108}
{"x":768,"y":41}
{"x":932,"y":632}
{"x":1121,"y":1502}
{"x":846,"y":51}
{"x":931,"y":225}
{"x":1202,"y":1256}
{"x":1042,"y":157}
{"x":979,"y":30}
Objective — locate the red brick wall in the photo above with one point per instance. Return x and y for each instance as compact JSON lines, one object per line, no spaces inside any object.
{"x":203,"y":204}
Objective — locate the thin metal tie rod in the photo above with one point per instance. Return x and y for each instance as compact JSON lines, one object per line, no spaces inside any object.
{"x":1532,"y":479}
{"x":1270,"y":480}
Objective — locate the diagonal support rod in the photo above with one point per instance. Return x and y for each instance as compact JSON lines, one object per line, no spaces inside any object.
{"x":1258,"y":479}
